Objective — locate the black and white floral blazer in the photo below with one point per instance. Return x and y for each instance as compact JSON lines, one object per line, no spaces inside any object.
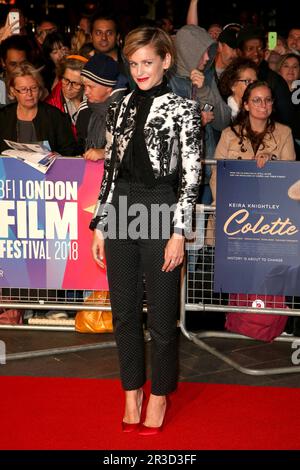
{"x":172,"y":133}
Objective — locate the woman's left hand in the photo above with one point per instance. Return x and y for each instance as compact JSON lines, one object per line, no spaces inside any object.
{"x":262,"y":159}
{"x":174,"y":252}
{"x":94,"y":154}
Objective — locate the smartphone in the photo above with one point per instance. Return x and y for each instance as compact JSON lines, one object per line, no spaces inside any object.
{"x":272,"y":40}
{"x":14,"y":18}
{"x":207,"y":107}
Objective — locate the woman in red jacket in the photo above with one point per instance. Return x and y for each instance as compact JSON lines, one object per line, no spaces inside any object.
{"x":68,"y":93}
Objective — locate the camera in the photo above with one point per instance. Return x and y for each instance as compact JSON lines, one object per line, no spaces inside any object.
{"x":207,"y":107}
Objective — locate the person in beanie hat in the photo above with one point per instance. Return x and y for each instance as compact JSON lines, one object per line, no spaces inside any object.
{"x":101,"y":69}
{"x":226,"y":52}
{"x":101,"y":87}
{"x":228,"y":36}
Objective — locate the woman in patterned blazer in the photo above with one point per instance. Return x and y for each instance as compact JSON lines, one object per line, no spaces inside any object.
{"x":152,"y":168}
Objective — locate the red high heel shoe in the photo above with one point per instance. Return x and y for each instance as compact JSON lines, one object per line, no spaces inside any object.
{"x":151,"y":431}
{"x":131,"y":427}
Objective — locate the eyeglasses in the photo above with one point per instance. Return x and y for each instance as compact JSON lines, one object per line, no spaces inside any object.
{"x":259,"y":101}
{"x":24,"y":89}
{"x":67,"y":82}
{"x":247,"y":81}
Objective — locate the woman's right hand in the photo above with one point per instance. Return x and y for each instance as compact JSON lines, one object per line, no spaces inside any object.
{"x":98,"y":251}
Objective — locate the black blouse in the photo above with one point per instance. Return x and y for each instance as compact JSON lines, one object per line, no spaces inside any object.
{"x":136,"y":166}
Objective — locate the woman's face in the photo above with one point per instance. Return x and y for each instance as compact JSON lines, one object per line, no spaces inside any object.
{"x":290,"y":70}
{"x":260,"y":103}
{"x":72,"y":86}
{"x":26,"y":91}
{"x":147,"y":67}
{"x":214,"y":31}
{"x":246,"y":77}
{"x":59,"y":51}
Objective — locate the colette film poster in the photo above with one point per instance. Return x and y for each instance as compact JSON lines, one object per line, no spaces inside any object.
{"x":258,"y":228}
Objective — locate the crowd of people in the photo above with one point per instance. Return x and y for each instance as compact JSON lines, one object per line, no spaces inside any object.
{"x":153,"y":110}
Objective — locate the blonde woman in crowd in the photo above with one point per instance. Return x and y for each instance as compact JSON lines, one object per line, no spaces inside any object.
{"x":28,"y":119}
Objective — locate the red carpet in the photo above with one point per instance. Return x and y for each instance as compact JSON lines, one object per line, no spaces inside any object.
{"x":56,"y":413}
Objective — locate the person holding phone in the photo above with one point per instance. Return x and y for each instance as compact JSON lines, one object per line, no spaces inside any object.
{"x":14,"y":21}
{"x":11,"y":26}
{"x":252,"y":45}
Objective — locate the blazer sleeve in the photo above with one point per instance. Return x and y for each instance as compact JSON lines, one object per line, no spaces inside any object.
{"x":191,"y":149}
{"x":99,"y":219}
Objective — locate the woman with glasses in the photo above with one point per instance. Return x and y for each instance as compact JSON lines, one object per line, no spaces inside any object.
{"x":234,"y":81}
{"x":254,"y":135}
{"x":30,"y":120}
{"x":67,"y":95}
{"x":289,"y":68}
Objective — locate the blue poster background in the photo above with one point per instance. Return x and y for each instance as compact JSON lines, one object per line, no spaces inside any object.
{"x":258,"y":228}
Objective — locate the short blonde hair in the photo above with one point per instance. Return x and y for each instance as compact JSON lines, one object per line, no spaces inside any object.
{"x":149,"y":36}
{"x":24,"y":70}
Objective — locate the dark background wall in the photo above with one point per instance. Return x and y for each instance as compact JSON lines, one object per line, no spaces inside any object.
{"x":273,"y":14}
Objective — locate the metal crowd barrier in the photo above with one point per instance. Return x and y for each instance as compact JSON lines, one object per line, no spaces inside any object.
{"x":36,"y":303}
{"x":197,"y":295}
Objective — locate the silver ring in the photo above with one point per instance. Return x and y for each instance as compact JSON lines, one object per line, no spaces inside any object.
{"x":172,"y":261}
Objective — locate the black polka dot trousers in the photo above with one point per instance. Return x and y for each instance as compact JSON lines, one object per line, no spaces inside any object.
{"x":128,"y":259}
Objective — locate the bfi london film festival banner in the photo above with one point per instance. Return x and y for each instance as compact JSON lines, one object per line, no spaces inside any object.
{"x":45,"y":241}
{"x":258,"y":228}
